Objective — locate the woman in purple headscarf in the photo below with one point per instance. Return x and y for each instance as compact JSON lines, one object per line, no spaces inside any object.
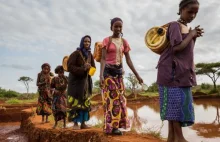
{"x":80,"y":83}
{"x":111,"y":78}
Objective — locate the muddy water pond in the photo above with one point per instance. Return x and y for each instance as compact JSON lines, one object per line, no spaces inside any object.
{"x":145,"y":118}
{"x":10,"y":132}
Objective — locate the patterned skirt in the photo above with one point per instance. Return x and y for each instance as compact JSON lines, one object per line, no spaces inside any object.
{"x":115,"y":111}
{"x":59,"y":107}
{"x":176,"y":104}
{"x":78,"y":111}
{"x":44,"y":103}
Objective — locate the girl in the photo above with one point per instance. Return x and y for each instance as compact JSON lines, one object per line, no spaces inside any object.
{"x":80,"y":83}
{"x":59,"y":84}
{"x":111,"y":79}
{"x":176,"y":72}
{"x":44,"y":100}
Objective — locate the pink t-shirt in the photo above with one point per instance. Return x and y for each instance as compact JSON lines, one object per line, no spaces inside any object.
{"x":115,"y":50}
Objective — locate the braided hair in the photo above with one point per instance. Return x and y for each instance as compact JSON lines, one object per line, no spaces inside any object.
{"x":184,"y":3}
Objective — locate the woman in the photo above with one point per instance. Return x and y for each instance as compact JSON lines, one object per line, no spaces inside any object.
{"x":176,"y":72}
{"x":80,"y":83}
{"x":44,"y":99}
{"x":111,"y":78}
{"x":59,"y":85}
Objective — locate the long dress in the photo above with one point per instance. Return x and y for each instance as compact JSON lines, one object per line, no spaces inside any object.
{"x":79,"y":88}
{"x":44,"y":99}
{"x":115,"y":110}
{"x":59,"y":84}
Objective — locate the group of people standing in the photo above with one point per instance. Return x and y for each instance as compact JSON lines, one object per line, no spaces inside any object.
{"x":175,"y":78}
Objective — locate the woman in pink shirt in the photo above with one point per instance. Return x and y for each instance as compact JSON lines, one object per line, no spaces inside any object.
{"x":111,"y":78}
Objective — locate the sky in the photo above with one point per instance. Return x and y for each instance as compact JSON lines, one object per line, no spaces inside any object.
{"x":33,"y":32}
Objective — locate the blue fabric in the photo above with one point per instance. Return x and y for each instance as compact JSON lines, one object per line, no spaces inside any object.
{"x":176,"y":104}
{"x":84,"y":51}
{"x":82,"y":116}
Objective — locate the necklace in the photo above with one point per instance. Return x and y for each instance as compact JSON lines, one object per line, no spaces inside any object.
{"x":182,"y":21}
{"x":61,"y":80}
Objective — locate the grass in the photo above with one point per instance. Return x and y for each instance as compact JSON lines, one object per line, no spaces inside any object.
{"x":17,"y":101}
{"x":156,"y":134}
{"x":99,"y":125}
{"x":149,"y":94}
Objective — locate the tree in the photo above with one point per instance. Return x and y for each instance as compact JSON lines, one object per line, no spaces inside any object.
{"x":97,"y":86}
{"x":26,"y":80}
{"x":212,"y":70}
{"x":153,"y":87}
{"x":132,"y":83}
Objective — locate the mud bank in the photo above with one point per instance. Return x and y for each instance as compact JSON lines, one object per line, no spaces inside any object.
{"x":37,"y":132}
{"x":12,"y":113}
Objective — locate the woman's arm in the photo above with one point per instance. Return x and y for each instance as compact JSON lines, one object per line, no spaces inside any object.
{"x":73,"y":68}
{"x":175,"y":36}
{"x":102,"y":65}
{"x":183,"y":44}
{"x":131,"y":66}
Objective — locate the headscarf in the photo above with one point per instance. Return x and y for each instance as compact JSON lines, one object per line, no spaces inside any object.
{"x":84,"y":51}
{"x":115,"y":20}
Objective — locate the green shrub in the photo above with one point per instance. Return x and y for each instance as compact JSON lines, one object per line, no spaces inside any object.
{"x":198,"y":90}
{"x":213,"y":91}
{"x":13,"y":101}
{"x":11,"y":94}
{"x":1,"y":95}
{"x":205,"y":86}
{"x":153,"y":87}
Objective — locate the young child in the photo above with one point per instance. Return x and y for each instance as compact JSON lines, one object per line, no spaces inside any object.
{"x":44,"y":99}
{"x":111,"y":78}
{"x":58,"y":86}
{"x":176,"y":72}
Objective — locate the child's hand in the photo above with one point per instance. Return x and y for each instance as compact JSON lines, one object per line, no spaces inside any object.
{"x":197,"y":32}
{"x":101,"y":81}
{"x":200,"y":31}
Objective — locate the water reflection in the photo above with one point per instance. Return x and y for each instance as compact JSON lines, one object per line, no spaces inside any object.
{"x":145,"y":117}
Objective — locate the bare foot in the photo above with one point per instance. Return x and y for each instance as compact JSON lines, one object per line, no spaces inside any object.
{"x":64,"y":126}
{"x":76,"y":126}
{"x":84,"y":126}
{"x":47,"y":121}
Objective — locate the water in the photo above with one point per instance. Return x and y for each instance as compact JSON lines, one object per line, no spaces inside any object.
{"x":145,"y":117}
{"x":10,"y":132}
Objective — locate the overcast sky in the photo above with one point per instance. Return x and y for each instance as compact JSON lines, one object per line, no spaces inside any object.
{"x":36,"y":31}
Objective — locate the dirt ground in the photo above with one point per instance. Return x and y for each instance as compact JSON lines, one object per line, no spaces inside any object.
{"x":20,"y":123}
{"x":38,"y":132}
